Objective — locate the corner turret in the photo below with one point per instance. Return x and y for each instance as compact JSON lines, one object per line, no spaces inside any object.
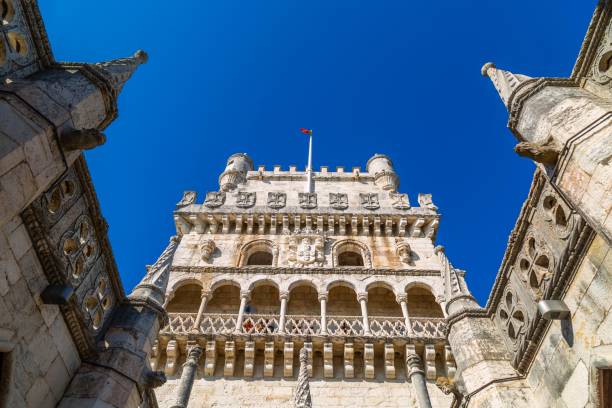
{"x":235,"y":171}
{"x":381,"y":167}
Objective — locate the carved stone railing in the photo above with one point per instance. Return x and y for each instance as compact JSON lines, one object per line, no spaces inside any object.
{"x":428,"y":327}
{"x":301,"y":325}
{"x":382,"y":326}
{"x":259,"y":324}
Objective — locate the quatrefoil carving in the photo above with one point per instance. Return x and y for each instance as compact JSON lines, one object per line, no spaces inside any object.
{"x":535,"y":264}
{"x":512,"y":316}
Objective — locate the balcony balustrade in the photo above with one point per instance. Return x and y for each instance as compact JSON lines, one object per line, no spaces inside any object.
{"x":302,"y":325}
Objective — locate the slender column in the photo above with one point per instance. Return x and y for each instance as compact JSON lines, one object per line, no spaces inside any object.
{"x":323,"y":300}
{"x":363,"y":301}
{"x":402,"y":299}
{"x":417,"y":376}
{"x":284,"y":298}
{"x":205,"y":296}
{"x":187,"y":377}
{"x":244,"y":297}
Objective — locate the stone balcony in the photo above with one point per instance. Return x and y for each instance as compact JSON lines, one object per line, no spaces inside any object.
{"x":303,"y":326}
{"x":258,"y":346}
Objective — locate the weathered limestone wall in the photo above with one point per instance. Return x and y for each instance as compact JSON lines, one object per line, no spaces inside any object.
{"x":564,"y":371}
{"x":229,"y":247}
{"x":42,"y":358}
{"x":278,"y":393}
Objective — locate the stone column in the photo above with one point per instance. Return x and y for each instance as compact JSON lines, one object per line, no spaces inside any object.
{"x":323,"y":300}
{"x":417,"y":376}
{"x":189,"y":371}
{"x":402,"y":299}
{"x":363,"y":301}
{"x":244,"y":297}
{"x":205,"y":296}
{"x":284,"y":298}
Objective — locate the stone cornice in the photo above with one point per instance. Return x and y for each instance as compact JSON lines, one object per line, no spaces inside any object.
{"x":277,"y":270}
{"x":595,"y":32}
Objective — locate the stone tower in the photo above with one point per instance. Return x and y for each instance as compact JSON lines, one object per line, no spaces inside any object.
{"x":349,"y":272}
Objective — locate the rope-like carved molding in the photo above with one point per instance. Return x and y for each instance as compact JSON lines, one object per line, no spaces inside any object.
{"x":108,"y":93}
{"x":594,"y":35}
{"x":37,"y":29}
{"x":278,"y":270}
{"x":525,"y":91}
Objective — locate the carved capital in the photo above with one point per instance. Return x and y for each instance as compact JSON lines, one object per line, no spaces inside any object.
{"x":401,"y":298}
{"x":362,"y":296}
{"x":284,"y":295}
{"x":193,"y":355}
{"x":323,"y":296}
{"x":206,"y":294}
{"x":245,"y":294}
{"x":414,"y":364}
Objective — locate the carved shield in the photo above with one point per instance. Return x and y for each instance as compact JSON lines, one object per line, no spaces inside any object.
{"x":308,"y":200}
{"x":277,"y":200}
{"x":338,"y":201}
{"x":214,"y":199}
{"x":245,"y":199}
{"x":369,"y":201}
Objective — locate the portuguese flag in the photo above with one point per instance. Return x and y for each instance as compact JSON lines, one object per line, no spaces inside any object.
{"x":306,"y":131}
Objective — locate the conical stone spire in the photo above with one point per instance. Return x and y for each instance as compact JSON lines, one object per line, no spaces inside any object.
{"x":504,"y":81}
{"x":119,"y":70}
{"x":153,"y":286}
{"x":302,"y":392}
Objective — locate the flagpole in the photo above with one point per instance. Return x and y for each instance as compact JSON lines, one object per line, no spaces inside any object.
{"x":309,"y":168}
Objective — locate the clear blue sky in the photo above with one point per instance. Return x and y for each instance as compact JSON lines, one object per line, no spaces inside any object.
{"x":395,"y":77}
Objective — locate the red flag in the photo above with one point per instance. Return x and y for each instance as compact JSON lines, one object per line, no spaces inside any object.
{"x":306,"y":131}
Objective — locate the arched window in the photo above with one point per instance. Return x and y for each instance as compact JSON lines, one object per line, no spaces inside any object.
{"x":422,"y":303}
{"x":351,"y":253}
{"x":350,"y":258}
{"x":258,"y":252}
{"x":260,"y":258}
{"x":186,"y":299}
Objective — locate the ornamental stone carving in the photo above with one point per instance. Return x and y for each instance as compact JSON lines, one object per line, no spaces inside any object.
{"x":535,"y":266}
{"x":245,"y":199}
{"x":307,"y":249}
{"x":207,"y":248}
{"x":402,"y":248}
{"x":97,"y":303}
{"x":557,"y":214}
{"x":308,"y":200}
{"x":399,"y":201}
{"x":426,"y":201}
{"x":189,"y":198}
{"x":369,"y":201}
{"x":277,"y":200}
{"x":78,"y":247}
{"x":214,"y":199}
{"x":601,"y":72}
{"x":513,"y":317}
{"x":338,"y":201}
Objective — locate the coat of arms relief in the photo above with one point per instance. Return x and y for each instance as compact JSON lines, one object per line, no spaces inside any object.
{"x":306,"y":249}
{"x":338,"y":201}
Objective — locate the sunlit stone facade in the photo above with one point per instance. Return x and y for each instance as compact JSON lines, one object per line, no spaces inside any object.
{"x":349,"y":271}
{"x":345,"y":273}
